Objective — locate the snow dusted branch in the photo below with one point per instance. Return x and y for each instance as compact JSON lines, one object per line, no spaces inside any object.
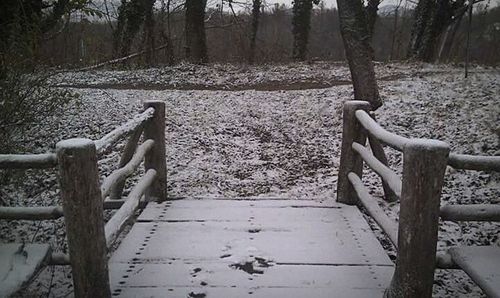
{"x":474,"y":162}
{"x":106,"y":142}
{"x":122,"y":173}
{"x":476,"y":212}
{"x":393,"y":140}
{"x":393,"y":180}
{"x":31,"y":213}
{"x":115,"y":224}
{"x":28,"y":161}
{"x":388,"y":226}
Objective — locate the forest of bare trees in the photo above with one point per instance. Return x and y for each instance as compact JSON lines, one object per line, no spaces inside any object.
{"x":82,"y":33}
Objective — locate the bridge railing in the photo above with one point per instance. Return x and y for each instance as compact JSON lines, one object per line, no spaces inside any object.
{"x":84,"y":198}
{"x":419,"y":190}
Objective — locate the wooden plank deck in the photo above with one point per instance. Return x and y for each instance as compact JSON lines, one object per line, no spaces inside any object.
{"x":250,"y":248}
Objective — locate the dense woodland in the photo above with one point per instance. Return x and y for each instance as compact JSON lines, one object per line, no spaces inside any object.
{"x":250,"y":31}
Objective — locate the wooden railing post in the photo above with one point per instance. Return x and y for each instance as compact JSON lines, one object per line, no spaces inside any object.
{"x":424,"y":165}
{"x":83,"y":214}
{"x":156,"y":158}
{"x":352,"y":131}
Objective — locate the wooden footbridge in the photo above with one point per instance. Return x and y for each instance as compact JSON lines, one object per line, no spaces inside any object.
{"x":242,"y":247}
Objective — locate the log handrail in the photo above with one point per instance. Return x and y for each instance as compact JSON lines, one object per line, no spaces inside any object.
{"x":107,"y":141}
{"x":389,"y":226}
{"x":28,"y":161}
{"x":473,"y":212}
{"x":424,"y":164}
{"x":474,"y":162}
{"x":122,"y":173}
{"x":116,"y":223}
{"x":388,"y":175}
{"x":82,"y":207}
{"x":391,"y":139}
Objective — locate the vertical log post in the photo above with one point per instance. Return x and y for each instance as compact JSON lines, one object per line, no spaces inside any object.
{"x":424,"y":165}
{"x":83,"y":214}
{"x":352,"y":131}
{"x":154,"y":129}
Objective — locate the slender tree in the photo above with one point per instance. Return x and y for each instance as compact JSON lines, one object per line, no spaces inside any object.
{"x":431,"y":19}
{"x":301,"y":24}
{"x":371,"y":10}
{"x":358,"y":51}
{"x":196,"y":47}
{"x":256,"y":4}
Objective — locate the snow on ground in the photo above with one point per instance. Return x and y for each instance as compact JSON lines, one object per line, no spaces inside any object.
{"x":238,"y":135}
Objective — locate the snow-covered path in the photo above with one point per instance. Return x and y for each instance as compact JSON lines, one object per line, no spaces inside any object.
{"x":250,"y":248}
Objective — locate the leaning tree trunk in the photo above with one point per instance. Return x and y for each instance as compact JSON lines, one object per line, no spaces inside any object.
{"x":358,"y":51}
{"x":255,"y":26}
{"x":196,"y":47}
{"x":301,"y":23}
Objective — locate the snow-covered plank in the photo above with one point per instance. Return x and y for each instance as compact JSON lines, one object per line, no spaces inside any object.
{"x":180,"y":278}
{"x":210,"y":209}
{"x":311,"y":235}
{"x":482,"y":264}
{"x":19,"y":263}
{"x":250,"y":248}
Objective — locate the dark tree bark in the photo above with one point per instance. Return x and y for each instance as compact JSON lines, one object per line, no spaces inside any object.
{"x":196,"y":47}
{"x":422,"y":15}
{"x":255,"y":26}
{"x":432,"y":17}
{"x":301,"y":24}
{"x":358,"y":51}
{"x":371,"y":15}
{"x":149,"y":31}
{"x":130,"y":18}
{"x":441,"y":17}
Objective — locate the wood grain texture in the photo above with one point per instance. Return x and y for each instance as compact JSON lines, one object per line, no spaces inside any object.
{"x":83,"y":214}
{"x":424,"y":165}
{"x":352,"y":131}
{"x":156,"y":158}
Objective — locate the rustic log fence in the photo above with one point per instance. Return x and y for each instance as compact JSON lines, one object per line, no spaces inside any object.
{"x":419,"y":190}
{"x":84,"y":198}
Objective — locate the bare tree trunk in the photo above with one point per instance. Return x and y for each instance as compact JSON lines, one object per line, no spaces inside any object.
{"x":395,"y":30}
{"x":467,"y":49}
{"x":196,"y":47}
{"x":422,"y":15}
{"x":149,"y":32}
{"x":450,"y":38}
{"x":255,"y":26}
{"x":371,"y":15}
{"x":301,"y":23}
{"x":358,"y":51}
